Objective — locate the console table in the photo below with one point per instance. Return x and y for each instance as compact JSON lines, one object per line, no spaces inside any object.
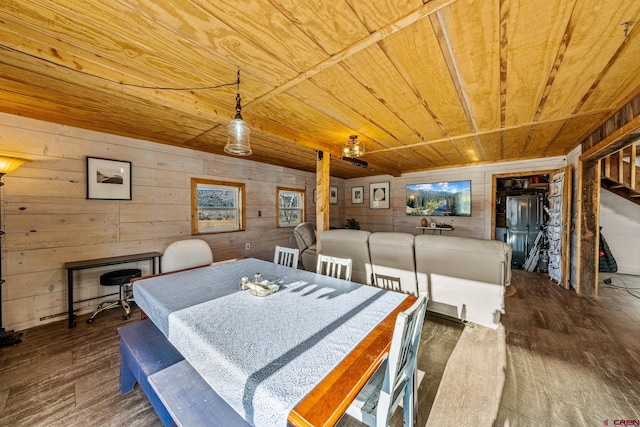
{"x":436,"y":229}
{"x":101,"y":262}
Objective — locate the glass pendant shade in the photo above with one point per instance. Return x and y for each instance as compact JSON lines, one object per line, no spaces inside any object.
{"x":238,"y":138}
{"x":238,"y":134}
{"x":9,"y":164}
{"x":353,"y":147}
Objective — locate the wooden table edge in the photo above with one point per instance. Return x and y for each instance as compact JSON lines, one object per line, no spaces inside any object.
{"x":326,"y":403}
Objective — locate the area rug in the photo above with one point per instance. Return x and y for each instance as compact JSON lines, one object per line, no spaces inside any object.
{"x":510,"y":291}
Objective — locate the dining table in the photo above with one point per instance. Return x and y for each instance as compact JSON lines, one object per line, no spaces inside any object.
{"x":297,"y":356}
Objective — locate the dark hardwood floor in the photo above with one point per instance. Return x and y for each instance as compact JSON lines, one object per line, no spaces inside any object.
{"x":557,"y":359}
{"x":571,"y":361}
{"x":69,"y":377}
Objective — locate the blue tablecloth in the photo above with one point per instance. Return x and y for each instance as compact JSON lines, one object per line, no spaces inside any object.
{"x":262,"y":355}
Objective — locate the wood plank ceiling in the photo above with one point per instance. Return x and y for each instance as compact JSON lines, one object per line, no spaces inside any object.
{"x":424,"y":85}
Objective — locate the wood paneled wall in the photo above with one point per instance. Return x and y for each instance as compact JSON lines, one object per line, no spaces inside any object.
{"x":620,"y":222}
{"x":48,"y":221}
{"x":478,"y":225}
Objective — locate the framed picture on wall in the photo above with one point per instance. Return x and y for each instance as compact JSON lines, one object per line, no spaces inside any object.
{"x":357,"y":195}
{"x":333,"y":195}
{"x":108,"y":179}
{"x":379,"y":195}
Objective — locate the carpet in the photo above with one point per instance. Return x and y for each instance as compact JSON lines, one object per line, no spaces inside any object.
{"x":510,"y":291}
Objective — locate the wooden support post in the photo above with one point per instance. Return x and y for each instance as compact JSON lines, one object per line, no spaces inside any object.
{"x":620,"y":167}
{"x":587,"y":227}
{"x":632,"y":164}
{"x":322,"y":193}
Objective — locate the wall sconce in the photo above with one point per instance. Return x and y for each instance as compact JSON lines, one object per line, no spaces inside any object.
{"x":353,"y":147}
{"x":7,"y":165}
{"x":238,"y":132}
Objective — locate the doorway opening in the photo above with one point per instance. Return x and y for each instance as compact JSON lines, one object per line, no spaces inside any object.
{"x":520,"y":218}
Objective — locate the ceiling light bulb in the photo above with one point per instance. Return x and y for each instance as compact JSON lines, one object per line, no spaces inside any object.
{"x":353,"y":147}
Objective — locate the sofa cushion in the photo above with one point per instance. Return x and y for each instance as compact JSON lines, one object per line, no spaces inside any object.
{"x":487,"y":261}
{"x":464,"y":277}
{"x":393,"y":262}
{"x":346,"y":243}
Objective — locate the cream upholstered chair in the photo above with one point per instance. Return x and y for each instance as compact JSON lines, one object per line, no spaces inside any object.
{"x":305,"y":235}
{"x":185,"y":254}
{"x":394,"y":380}
{"x":286,"y":256}
{"x":332,"y":266}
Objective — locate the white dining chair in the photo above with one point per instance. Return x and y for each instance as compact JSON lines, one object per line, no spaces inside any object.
{"x":389,"y":283}
{"x":286,"y":256}
{"x":185,"y":254}
{"x":332,"y":266}
{"x":394,"y":380}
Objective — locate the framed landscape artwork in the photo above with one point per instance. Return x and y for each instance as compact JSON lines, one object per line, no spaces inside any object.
{"x":379,"y":195}
{"x":108,"y":179}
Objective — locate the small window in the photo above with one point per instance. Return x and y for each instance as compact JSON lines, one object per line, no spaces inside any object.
{"x":216,"y":206}
{"x":290,"y":208}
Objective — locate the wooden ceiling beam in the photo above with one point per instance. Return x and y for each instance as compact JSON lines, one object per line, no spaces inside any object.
{"x":617,"y":140}
{"x":424,"y":11}
{"x":489,"y":132}
{"x":439,"y":26}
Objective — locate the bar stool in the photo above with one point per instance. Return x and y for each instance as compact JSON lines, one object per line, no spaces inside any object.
{"x":120,"y":278}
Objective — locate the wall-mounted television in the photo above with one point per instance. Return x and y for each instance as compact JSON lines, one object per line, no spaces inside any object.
{"x":449,"y":198}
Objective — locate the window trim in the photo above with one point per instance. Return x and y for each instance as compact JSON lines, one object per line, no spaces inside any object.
{"x":302,"y":209}
{"x":241,"y":208}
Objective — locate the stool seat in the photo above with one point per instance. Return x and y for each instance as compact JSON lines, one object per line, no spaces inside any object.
{"x":119,"y":278}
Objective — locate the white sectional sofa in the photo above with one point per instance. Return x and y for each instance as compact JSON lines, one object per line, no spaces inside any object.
{"x":464,"y":277}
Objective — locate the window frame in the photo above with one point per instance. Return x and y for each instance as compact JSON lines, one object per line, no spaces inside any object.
{"x":301,"y":208}
{"x":240,"y":209}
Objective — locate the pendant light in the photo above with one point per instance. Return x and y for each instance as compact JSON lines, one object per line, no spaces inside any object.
{"x":353,"y":147}
{"x":238,"y":132}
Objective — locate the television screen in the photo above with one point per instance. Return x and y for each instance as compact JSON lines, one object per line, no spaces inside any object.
{"x":451,"y":198}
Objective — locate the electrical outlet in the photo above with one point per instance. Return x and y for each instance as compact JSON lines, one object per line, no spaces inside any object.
{"x":247,"y":246}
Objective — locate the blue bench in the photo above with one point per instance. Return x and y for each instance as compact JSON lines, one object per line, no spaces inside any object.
{"x":178,"y":394}
{"x":145,"y":351}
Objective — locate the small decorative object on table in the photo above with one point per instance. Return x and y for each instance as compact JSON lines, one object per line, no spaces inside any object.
{"x":424,"y":222}
{"x":259,"y":287}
